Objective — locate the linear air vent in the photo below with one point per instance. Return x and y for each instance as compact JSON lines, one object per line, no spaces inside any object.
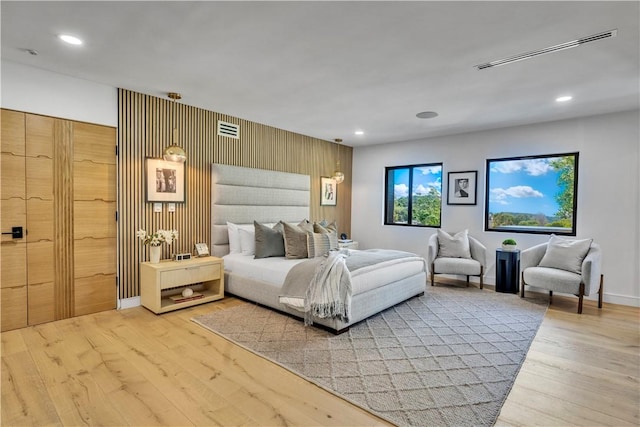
{"x":551,"y":49}
{"x":228,"y":129}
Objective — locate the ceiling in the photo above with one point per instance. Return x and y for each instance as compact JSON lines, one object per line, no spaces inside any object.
{"x":327,"y":69}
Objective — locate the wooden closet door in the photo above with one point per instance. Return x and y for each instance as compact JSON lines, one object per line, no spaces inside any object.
{"x":41,"y":218}
{"x":94,"y":188}
{"x":13,"y":255}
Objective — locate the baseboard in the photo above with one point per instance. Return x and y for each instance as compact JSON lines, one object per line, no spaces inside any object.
{"x":621,"y":299}
{"x":489,"y":282}
{"x":128,"y":303}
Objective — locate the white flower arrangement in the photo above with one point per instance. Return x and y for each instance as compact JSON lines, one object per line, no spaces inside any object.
{"x":157,"y":238}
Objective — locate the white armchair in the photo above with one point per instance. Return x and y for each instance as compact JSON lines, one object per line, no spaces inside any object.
{"x":581,"y":279}
{"x":441,"y":261}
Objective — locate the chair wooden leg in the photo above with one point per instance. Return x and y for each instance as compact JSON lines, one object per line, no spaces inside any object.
{"x":550,"y":297}
{"x":467,"y":281}
{"x":522,"y":288}
{"x":580,"y":297}
{"x":481,"y":274}
{"x":431,"y":274}
{"x":600,"y":291}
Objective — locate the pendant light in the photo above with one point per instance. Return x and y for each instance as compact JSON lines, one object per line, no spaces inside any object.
{"x":338,"y":176}
{"x":174,"y":153}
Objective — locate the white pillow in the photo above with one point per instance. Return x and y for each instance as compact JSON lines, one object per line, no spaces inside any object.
{"x":565,"y":254}
{"x":247,"y":241}
{"x":234,"y":236}
{"x":456,"y":246}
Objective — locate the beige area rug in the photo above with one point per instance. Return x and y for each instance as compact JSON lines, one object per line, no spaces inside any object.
{"x":449,"y":357}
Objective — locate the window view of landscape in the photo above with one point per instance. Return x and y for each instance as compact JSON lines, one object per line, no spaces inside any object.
{"x":422,"y":205}
{"x":532,"y":194}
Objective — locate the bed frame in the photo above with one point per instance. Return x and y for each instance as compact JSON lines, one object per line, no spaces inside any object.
{"x":241,"y":195}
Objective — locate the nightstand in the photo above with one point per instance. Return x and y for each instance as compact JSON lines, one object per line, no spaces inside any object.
{"x":348,"y":245}
{"x":161,"y":284}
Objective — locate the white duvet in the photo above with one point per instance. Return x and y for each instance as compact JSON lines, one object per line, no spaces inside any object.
{"x":274,"y":270}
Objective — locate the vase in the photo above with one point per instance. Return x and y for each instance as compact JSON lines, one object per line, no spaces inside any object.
{"x":154,"y":254}
{"x":509,"y":248}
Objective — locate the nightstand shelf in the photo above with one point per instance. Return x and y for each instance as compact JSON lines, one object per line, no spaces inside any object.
{"x":158,"y":282}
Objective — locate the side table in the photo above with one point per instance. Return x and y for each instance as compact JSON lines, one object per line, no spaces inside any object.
{"x":507,"y":271}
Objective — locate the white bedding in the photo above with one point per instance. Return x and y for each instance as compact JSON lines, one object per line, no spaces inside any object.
{"x":274,"y":270}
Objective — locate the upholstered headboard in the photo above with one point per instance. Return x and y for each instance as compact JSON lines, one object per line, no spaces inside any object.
{"x":241,"y":195}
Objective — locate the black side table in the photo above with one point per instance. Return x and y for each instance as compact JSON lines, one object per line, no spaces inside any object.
{"x":508,"y":271}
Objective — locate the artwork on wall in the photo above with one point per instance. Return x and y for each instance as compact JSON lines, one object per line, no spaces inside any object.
{"x":462,"y":188}
{"x":328,"y":191}
{"x":165,"y":181}
{"x":532,"y":194}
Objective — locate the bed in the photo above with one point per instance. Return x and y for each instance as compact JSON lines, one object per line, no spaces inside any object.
{"x":243,"y":195}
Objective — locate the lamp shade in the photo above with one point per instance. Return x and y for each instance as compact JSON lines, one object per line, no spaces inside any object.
{"x":338,"y":177}
{"x":174,"y":154}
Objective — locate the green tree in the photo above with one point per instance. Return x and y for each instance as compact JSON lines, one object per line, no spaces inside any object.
{"x":503,"y":218}
{"x":566,"y":176}
{"x":426,"y":208}
{"x":401,"y":210}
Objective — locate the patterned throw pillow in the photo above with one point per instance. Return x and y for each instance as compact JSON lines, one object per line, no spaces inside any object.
{"x":319,"y":244}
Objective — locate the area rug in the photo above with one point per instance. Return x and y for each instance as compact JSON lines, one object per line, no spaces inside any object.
{"x":449,"y":357}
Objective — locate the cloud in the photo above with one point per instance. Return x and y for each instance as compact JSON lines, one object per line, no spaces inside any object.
{"x":430,"y":170}
{"x":533,"y":167}
{"x":400,"y":190}
{"x":500,"y":195}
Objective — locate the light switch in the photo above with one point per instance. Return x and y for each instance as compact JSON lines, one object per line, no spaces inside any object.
{"x":171,"y":207}
{"x":157,"y":207}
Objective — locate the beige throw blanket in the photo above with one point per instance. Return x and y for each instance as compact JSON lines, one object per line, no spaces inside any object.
{"x":320,"y":287}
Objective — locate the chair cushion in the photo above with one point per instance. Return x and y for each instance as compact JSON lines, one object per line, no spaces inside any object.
{"x":565,"y":254}
{"x":467,"y":267}
{"x":456,"y":246}
{"x":553,"y":279}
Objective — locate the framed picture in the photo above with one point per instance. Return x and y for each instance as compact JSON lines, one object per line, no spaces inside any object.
{"x":328,"y":191}
{"x":165,"y":180}
{"x":462,"y":188}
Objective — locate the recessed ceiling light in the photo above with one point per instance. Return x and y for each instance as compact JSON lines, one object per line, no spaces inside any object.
{"x":427,"y":115}
{"x":359,"y":132}
{"x":564,"y":98}
{"x":70,"y":39}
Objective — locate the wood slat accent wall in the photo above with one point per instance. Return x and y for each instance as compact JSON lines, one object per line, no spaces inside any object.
{"x":63,"y":218}
{"x":145,"y":130}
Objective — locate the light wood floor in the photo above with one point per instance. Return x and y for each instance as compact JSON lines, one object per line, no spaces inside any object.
{"x":131,"y":367}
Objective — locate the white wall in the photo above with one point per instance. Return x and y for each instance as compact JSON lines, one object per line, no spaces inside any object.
{"x":608,"y":190}
{"x":33,"y":90}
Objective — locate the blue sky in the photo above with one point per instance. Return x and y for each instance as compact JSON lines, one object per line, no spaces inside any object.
{"x":423,"y":179}
{"x":526,"y":186}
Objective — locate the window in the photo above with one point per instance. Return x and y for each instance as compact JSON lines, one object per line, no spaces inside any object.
{"x":422,"y":205}
{"x":535,"y":194}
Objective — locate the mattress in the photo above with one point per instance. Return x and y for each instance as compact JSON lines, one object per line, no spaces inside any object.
{"x":273,"y":271}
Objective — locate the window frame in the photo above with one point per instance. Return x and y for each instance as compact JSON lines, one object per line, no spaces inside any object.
{"x":533,"y":229}
{"x":388,"y":204}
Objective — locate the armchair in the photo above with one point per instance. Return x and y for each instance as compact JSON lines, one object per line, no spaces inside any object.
{"x":459,"y":254}
{"x":558,"y":266}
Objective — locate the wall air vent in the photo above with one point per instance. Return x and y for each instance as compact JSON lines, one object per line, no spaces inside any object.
{"x":228,"y":129}
{"x":550,"y":49}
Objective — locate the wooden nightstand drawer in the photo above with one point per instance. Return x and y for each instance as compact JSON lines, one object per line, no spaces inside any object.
{"x":186,"y":276}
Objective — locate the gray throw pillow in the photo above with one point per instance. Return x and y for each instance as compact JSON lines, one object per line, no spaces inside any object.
{"x":456,"y":246}
{"x":269,"y":241}
{"x":565,"y":254}
{"x":295,"y":240}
